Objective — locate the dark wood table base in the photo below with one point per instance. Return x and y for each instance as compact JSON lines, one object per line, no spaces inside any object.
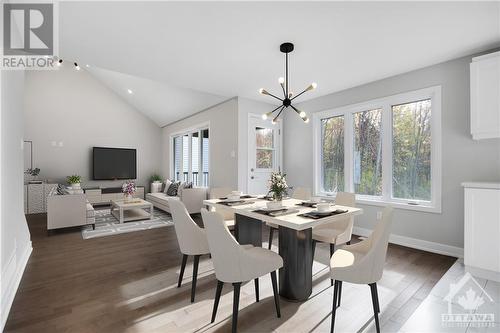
{"x":295,"y":247}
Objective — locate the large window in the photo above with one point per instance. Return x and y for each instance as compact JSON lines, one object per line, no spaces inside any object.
{"x":386,"y":150}
{"x":190,"y":156}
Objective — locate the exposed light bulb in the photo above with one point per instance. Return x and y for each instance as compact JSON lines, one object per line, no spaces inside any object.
{"x":262,"y":91}
{"x":302,"y":114}
{"x":281,"y":80}
{"x":77,"y":67}
{"x":290,"y":94}
{"x":130,"y":91}
{"x":306,"y":120}
{"x":314,"y":85}
{"x":273,"y":122}
{"x":264,"y":116}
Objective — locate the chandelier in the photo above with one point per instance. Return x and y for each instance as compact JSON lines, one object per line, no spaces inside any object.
{"x":288,"y":96}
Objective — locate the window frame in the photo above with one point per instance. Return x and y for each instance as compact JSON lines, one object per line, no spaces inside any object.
{"x":189,"y":131}
{"x":385,"y":104}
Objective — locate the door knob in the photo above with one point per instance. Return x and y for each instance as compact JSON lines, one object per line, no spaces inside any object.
{"x":251,"y":169}
{"x":251,"y":177}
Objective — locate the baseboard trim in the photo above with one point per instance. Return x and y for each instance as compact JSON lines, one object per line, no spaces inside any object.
{"x":17,"y":266}
{"x":418,"y":244}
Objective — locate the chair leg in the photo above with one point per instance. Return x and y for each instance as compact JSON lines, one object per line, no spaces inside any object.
{"x":373,"y":288}
{"x":334,"y":305}
{"x":332,"y":249}
{"x":256,"y":281}
{"x":195,"y":276}
{"x":376,"y":293}
{"x":218,"y":291}
{"x":271,"y":232}
{"x":276,"y":295}
{"x":236,"y":303}
{"x":183,"y":266}
{"x":348,"y":242}
{"x":340,"y":293}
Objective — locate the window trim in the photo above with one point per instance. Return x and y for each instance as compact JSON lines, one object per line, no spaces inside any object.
{"x":189,"y":131}
{"x":384,"y":103}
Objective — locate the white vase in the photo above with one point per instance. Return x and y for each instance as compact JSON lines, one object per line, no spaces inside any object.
{"x":75,"y":186}
{"x":274,"y":204}
{"x":128,"y":197}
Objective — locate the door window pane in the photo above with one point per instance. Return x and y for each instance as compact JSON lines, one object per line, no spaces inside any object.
{"x":367,"y":157}
{"x":195,"y":157}
{"x":332,"y":143}
{"x":264,"y":159}
{"x":411,"y":165}
{"x":185,"y":158}
{"x":264,"y":137}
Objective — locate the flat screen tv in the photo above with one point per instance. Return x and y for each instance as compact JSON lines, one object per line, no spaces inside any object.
{"x":114,"y":163}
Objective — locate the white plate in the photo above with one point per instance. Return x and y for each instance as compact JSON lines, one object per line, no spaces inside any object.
{"x":231,"y":200}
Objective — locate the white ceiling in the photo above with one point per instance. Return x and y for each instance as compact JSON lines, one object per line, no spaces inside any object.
{"x":226,"y":49}
{"x":163,"y":103}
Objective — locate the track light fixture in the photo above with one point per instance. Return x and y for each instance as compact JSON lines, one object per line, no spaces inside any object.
{"x":288,"y":96}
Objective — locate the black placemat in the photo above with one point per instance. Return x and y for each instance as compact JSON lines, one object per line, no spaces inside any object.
{"x":274,"y":213}
{"x":316,"y":216}
{"x":235,"y":203}
{"x":307,"y":204}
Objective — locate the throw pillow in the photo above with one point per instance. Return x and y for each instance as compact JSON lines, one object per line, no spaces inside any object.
{"x":166,"y":185}
{"x":173,"y":188}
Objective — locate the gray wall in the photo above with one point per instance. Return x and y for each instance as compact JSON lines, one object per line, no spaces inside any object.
{"x":74,"y":108}
{"x":15,"y":237}
{"x":463,"y":158}
{"x":223,"y":134}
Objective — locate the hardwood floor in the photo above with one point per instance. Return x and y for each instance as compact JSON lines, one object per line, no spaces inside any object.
{"x":128,"y":283}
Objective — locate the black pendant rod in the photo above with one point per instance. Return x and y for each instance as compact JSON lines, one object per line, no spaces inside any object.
{"x":286,"y":74}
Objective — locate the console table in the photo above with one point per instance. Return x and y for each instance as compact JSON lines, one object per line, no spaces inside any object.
{"x":103,"y":196}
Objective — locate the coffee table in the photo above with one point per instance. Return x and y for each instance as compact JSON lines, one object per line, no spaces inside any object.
{"x":133,"y":210}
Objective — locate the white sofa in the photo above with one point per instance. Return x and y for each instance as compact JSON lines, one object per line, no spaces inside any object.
{"x":192,"y":198}
{"x":68,"y":210}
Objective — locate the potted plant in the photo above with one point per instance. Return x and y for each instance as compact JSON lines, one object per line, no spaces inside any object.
{"x":74,"y":181}
{"x":278,"y":189}
{"x":128,"y":190}
{"x":156,"y":183}
{"x":34,"y":174}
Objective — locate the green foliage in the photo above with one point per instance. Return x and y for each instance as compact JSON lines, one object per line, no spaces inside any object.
{"x":156,"y":178}
{"x":33,"y":172}
{"x":278,"y":187}
{"x":73,"y":179}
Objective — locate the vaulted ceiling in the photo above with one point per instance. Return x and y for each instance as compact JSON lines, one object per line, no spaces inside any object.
{"x":181,"y":57}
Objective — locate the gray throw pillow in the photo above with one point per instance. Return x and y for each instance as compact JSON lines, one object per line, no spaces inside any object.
{"x":173,"y":188}
{"x":166,"y":185}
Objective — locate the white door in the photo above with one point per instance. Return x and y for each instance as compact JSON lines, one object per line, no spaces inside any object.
{"x":264,"y":147}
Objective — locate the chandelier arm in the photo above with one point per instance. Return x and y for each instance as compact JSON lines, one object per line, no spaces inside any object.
{"x":282,"y":108}
{"x":279,"y":99}
{"x":299,"y":94}
{"x":283,"y":88}
{"x":296,"y":110}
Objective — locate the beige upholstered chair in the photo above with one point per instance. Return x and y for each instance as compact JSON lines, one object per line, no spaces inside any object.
{"x":362,"y":263}
{"x":220,"y":192}
{"x":338,"y":232}
{"x":192,"y":240}
{"x":235,"y":263}
{"x":300,"y":193}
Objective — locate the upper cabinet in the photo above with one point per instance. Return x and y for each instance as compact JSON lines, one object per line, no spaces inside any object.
{"x":485,"y":96}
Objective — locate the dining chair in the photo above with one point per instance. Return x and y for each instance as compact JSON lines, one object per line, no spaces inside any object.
{"x":338,"y":232}
{"x":235,"y":263}
{"x":362,"y":263}
{"x":192,"y":240}
{"x":228,"y":216}
{"x":300,"y":193}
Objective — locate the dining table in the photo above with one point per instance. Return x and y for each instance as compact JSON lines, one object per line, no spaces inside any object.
{"x":295,"y":235}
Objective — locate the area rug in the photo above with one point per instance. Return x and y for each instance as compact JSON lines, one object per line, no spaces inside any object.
{"x":107,"y":225}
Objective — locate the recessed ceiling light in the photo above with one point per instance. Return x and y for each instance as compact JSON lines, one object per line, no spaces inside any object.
{"x":130,"y":91}
{"x":87,"y":65}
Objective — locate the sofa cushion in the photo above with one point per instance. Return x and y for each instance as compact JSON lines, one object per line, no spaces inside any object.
{"x":173,"y":188}
{"x":90,"y":211}
{"x":166,"y":185}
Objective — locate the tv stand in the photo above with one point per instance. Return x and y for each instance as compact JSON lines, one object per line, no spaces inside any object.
{"x":103,"y":196}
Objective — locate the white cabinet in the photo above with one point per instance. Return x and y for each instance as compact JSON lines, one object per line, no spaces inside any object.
{"x":482,"y":228}
{"x":485,"y":96}
{"x":36,"y":197}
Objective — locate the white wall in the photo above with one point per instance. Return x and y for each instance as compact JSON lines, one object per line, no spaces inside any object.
{"x":463,"y":158}
{"x":223,"y":138}
{"x":15,"y":237}
{"x":76,"y":109}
